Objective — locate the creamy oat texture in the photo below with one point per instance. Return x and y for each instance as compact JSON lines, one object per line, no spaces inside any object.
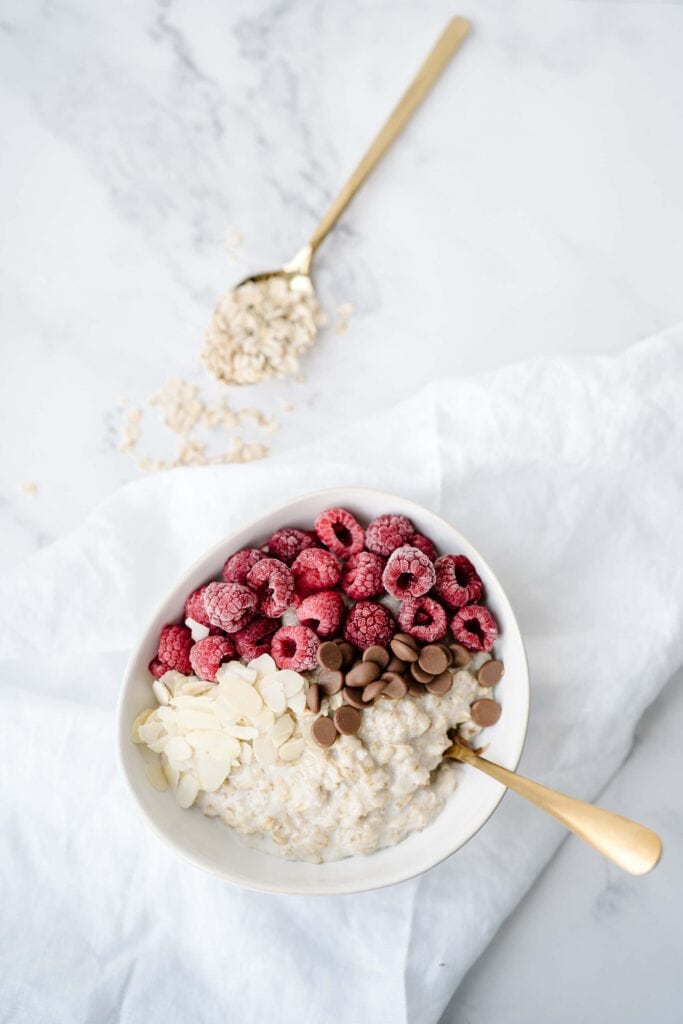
{"x":366,"y":792}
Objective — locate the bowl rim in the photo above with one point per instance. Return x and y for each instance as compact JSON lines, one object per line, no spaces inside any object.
{"x":350,"y":887}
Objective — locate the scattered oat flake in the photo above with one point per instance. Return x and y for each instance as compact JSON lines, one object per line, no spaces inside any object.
{"x":29,"y":487}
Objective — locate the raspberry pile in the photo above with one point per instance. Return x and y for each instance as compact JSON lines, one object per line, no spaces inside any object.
{"x":341,"y":582}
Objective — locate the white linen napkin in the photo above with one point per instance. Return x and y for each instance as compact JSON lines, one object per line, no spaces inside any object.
{"x":566,"y":473}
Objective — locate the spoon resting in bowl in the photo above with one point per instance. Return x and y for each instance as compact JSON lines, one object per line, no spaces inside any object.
{"x":631,"y":846}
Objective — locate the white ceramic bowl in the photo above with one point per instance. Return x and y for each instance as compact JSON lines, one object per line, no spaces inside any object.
{"x":211,"y":845}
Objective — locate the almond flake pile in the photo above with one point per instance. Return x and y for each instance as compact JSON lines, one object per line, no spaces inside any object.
{"x":260,"y":330}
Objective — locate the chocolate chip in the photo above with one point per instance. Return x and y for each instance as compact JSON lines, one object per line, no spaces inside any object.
{"x":362,"y":673}
{"x":432,"y":660}
{"x":416,"y":689}
{"x":347,"y":720}
{"x":407,"y":639}
{"x":395,"y":686}
{"x":330,"y":682}
{"x":448,"y":652}
{"x":380,"y":655}
{"x":396,"y":665}
{"x":485,"y":712}
{"x":419,"y":674}
{"x":461,"y":656}
{"x":373,"y":690}
{"x":353,"y":695}
{"x":330,"y":656}
{"x":441,"y":684}
{"x":313,"y":697}
{"x":490,"y":673}
{"x":403,"y":650}
{"x":324,"y":732}
{"x":348,"y":651}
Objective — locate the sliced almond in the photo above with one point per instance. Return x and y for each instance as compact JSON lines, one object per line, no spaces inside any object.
{"x":246,"y":753}
{"x":198,"y":631}
{"x":292,"y":681}
{"x":212,"y":772}
{"x":292,"y":749}
{"x":187,"y":790}
{"x":242,"y":732}
{"x":264,"y":721}
{"x":161,"y":692}
{"x":264,"y":750}
{"x":140,"y":720}
{"x":274,"y":695}
{"x":172,"y":774}
{"x":297,"y":703}
{"x":241,"y":695}
{"x":236,"y":668}
{"x":263,"y":665}
{"x":188,"y":718}
{"x":282,"y":730}
{"x":178,"y":749}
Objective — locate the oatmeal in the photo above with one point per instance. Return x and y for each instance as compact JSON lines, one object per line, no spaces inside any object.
{"x":309,"y":695}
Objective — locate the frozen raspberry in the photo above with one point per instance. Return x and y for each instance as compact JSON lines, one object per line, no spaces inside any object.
{"x":194,"y":607}
{"x":207,"y":656}
{"x":274,"y":584}
{"x":362,"y":575}
{"x":295,"y":647}
{"x":286,"y":544}
{"x":340,"y":532}
{"x":230,"y":605}
{"x":386,"y":533}
{"x":426,"y":546}
{"x":369,"y":623}
{"x":238,"y":565}
{"x":323,"y":612}
{"x":156,"y":668}
{"x":475,"y":628}
{"x":423,"y":618}
{"x":255,"y":639}
{"x":315,"y":569}
{"x":457,"y":581}
{"x":174,"y":648}
{"x":408,"y":573}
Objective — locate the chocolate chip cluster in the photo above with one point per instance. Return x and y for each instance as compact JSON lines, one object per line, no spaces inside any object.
{"x":403,"y":667}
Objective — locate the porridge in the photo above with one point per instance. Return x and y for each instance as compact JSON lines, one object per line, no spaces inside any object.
{"x":309,"y":696}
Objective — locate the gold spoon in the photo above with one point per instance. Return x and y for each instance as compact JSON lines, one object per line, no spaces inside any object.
{"x":631,"y":846}
{"x":297,"y":272}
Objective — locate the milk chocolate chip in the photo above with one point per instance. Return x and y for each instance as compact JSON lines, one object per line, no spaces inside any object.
{"x":490,"y":673}
{"x":433,"y":660}
{"x":330,"y":682}
{"x":485,"y":712}
{"x":324,"y":732}
{"x":348,"y":652}
{"x":441,"y":684}
{"x":395,"y":686}
{"x":353,"y":695}
{"x":373,"y":690}
{"x":461,"y":656}
{"x":313,"y":697}
{"x":347,"y":720}
{"x":362,"y":673}
{"x":403,"y":650}
{"x":330,"y":656}
{"x":380,"y":655}
{"x":419,"y":674}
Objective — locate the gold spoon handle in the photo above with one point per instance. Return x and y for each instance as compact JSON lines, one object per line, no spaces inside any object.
{"x":448,"y":42}
{"x":631,"y":846}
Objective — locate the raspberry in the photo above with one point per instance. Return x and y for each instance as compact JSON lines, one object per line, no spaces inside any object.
{"x":457,"y":581}
{"x":475,"y":628}
{"x":174,"y":648}
{"x":274,"y":584}
{"x":194,"y":607}
{"x":207,"y":656}
{"x":238,"y":565}
{"x":408,"y":573}
{"x":426,"y":546}
{"x":386,"y":533}
{"x":369,"y":623}
{"x":340,"y":532}
{"x":255,"y":639}
{"x":286,"y":544}
{"x":156,"y":668}
{"x":315,"y":569}
{"x":230,"y":605}
{"x":423,"y":618}
{"x":323,"y":612}
{"x":295,"y":647}
{"x":362,"y":575}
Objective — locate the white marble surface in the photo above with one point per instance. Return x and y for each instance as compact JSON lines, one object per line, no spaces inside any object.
{"x":534,"y":207}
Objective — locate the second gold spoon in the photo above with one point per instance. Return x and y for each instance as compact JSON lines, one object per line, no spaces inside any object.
{"x":631,"y":846}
